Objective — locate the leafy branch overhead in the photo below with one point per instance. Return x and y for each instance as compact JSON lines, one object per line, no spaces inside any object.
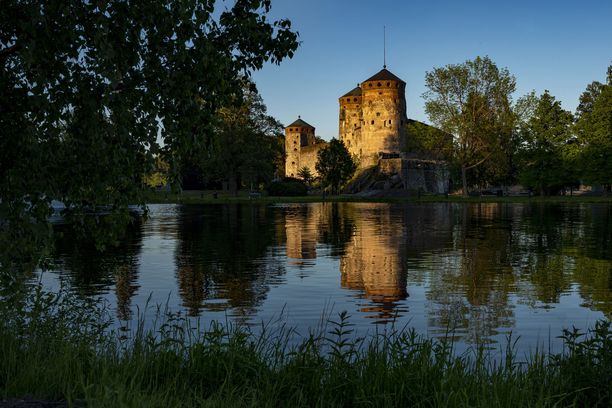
{"x":91,"y":91}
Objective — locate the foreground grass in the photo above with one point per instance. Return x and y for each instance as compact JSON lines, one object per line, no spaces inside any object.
{"x":57,"y":348}
{"x":207,"y":197}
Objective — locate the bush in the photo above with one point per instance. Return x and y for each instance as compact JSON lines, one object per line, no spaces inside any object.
{"x":289,"y":187}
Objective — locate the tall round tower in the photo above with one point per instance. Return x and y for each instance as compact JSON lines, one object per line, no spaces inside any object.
{"x":351,"y":120}
{"x":384,"y":115}
{"x":299,"y":134}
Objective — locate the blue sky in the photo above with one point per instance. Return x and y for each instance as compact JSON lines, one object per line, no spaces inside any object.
{"x":556,"y":45}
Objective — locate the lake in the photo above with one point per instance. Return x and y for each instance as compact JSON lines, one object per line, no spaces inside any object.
{"x":477,"y":271}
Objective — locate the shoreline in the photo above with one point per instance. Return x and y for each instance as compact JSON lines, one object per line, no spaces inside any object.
{"x":206,"y":197}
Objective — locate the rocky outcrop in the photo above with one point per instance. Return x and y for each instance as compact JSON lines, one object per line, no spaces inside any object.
{"x":401,"y":176}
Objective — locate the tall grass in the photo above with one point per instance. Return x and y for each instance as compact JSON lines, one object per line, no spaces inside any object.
{"x":55,"y":347}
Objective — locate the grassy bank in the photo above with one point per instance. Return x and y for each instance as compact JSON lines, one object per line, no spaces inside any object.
{"x":58,"y":348}
{"x":207,"y":197}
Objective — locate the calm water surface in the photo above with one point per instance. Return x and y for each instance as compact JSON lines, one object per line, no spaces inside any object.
{"x":481,"y":270}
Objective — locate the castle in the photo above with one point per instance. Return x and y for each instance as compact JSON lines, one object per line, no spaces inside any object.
{"x":372,"y":125}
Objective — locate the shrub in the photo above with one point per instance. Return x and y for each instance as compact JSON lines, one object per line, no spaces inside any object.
{"x":289,"y":187}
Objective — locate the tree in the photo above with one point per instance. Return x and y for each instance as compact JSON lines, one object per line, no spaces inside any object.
{"x":545,"y":143}
{"x":159,"y":176}
{"x":305,"y":175}
{"x":335,"y":165}
{"x":88,"y":88}
{"x":472,"y":101}
{"x":245,"y":144}
{"x":594,"y":133}
{"x":427,"y":141}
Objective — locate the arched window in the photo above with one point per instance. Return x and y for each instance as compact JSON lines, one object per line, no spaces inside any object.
{"x":372,"y":122}
{"x":388,"y":83}
{"x":379,"y":84}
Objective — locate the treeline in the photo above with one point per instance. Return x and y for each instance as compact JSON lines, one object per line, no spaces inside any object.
{"x":244,"y":147}
{"x":495,"y":141}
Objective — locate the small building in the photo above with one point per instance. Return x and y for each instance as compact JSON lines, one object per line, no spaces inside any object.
{"x":301,"y":148}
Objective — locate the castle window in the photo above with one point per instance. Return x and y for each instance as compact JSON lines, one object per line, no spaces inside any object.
{"x":348,"y":99}
{"x":377,"y":113}
{"x":295,"y":149}
{"x":292,"y":162}
{"x":355,"y":125}
{"x":379,"y":84}
{"x":388,"y":83}
{"x":354,"y":99}
{"x":372,"y":122}
{"x":370,"y":84}
{"x":380,"y":93}
{"x":389,"y":121}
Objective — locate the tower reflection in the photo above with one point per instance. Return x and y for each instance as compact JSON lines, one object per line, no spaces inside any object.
{"x":374,"y":262}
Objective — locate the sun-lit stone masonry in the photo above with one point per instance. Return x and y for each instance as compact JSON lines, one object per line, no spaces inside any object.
{"x":372,"y":117}
{"x":372,"y":124}
{"x":301,"y":148}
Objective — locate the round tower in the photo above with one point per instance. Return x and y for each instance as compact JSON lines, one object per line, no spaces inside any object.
{"x":297,"y":135}
{"x":384,"y":116}
{"x":351,"y":120}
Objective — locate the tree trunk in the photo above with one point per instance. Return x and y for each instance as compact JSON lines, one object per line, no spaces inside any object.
{"x":233,"y":184}
{"x":464,"y":181}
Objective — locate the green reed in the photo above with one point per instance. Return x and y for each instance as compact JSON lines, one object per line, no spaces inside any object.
{"x":57,"y":347}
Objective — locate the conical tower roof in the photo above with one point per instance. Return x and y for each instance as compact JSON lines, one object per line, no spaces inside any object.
{"x":353,"y":92}
{"x":300,"y":123}
{"x":384,"y":75}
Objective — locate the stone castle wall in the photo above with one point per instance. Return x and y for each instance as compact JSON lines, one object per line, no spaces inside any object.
{"x":351,"y":122}
{"x":309,"y":157}
{"x":384,"y":112}
{"x":296,"y":139}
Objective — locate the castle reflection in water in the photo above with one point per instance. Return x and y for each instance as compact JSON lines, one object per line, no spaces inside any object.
{"x":475,"y":268}
{"x":373,"y":256}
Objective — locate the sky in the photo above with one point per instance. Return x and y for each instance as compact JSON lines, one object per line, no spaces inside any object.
{"x":560,"y":46}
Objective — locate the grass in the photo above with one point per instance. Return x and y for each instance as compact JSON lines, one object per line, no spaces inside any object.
{"x":55,"y":347}
{"x":206,"y":197}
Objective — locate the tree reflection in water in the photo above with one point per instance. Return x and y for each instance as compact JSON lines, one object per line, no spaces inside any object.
{"x":474,"y":265}
{"x":223,"y":257}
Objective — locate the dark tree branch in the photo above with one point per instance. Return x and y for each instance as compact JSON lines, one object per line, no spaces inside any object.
{"x":6,"y":52}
